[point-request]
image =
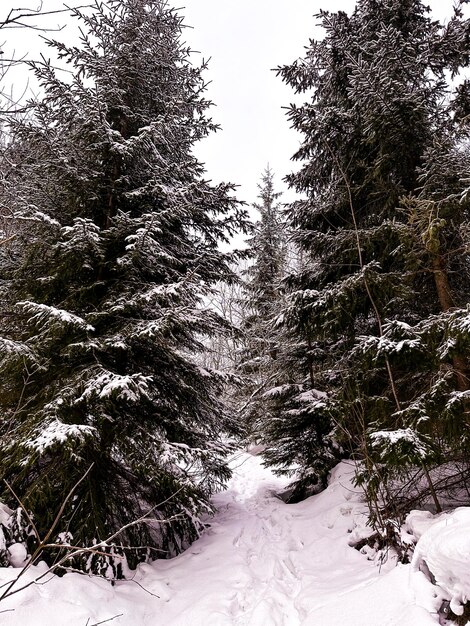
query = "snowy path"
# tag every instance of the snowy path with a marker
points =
(262, 562)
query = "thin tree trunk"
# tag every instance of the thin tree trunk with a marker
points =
(446, 301)
(437, 504)
(310, 363)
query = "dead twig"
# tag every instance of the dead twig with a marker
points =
(110, 619)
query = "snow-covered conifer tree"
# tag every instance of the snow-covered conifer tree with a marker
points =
(377, 88)
(261, 300)
(105, 303)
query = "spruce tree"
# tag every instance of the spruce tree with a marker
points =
(278, 399)
(377, 105)
(105, 304)
(261, 300)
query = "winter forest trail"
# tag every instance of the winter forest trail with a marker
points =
(262, 562)
(267, 562)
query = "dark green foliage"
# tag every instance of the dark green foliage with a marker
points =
(268, 248)
(261, 303)
(382, 234)
(117, 245)
(314, 451)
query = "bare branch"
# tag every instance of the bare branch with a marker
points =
(64, 503)
(76, 550)
(25, 510)
(16, 16)
(104, 621)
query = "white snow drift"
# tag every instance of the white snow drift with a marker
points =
(262, 562)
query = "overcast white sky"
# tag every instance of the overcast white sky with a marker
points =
(245, 40)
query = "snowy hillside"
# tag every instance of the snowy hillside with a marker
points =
(262, 562)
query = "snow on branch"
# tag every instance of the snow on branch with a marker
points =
(400, 443)
(14, 348)
(43, 315)
(131, 388)
(56, 432)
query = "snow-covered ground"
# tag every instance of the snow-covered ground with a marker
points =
(262, 562)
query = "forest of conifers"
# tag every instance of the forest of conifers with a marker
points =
(136, 353)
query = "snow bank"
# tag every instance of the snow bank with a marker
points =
(444, 549)
(262, 562)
